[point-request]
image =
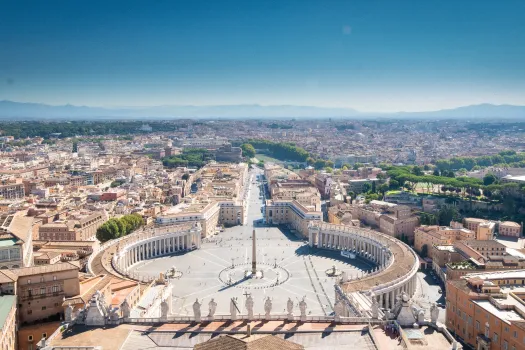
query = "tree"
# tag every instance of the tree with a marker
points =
(489, 179)
(446, 214)
(329, 170)
(248, 150)
(367, 187)
(310, 161)
(319, 164)
(357, 166)
(394, 184)
(426, 167)
(436, 172)
(383, 188)
(75, 147)
(345, 167)
(329, 164)
(373, 189)
(417, 171)
(185, 176)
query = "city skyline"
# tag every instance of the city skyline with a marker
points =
(372, 57)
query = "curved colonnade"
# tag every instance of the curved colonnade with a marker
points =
(153, 244)
(142, 245)
(397, 262)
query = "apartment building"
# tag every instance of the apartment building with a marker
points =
(78, 227)
(487, 310)
(16, 236)
(299, 190)
(440, 235)
(509, 229)
(8, 322)
(484, 229)
(398, 222)
(291, 213)
(42, 289)
(12, 191)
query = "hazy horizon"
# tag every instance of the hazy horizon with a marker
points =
(374, 56)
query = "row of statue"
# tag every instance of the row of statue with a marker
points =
(234, 309)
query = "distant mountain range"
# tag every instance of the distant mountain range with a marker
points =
(10, 110)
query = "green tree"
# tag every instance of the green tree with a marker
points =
(489, 179)
(367, 187)
(446, 214)
(248, 150)
(416, 170)
(75, 147)
(329, 170)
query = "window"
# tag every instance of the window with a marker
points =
(29, 338)
(43, 308)
(54, 278)
(506, 329)
(495, 338)
(44, 335)
(515, 334)
(29, 281)
(477, 325)
(42, 291)
(505, 345)
(29, 312)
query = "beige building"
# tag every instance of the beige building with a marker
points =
(8, 322)
(218, 200)
(510, 229)
(399, 222)
(484, 229)
(42, 289)
(16, 236)
(78, 227)
(440, 235)
(291, 213)
(487, 310)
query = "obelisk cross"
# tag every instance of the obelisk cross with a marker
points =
(254, 256)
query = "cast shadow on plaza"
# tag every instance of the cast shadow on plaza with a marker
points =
(234, 284)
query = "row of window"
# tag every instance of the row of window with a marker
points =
(41, 279)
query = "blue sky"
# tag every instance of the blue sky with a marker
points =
(370, 55)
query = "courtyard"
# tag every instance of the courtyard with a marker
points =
(287, 268)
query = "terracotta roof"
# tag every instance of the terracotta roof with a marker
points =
(266, 342)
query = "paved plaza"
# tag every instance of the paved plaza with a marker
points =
(288, 268)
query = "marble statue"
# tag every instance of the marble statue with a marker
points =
(339, 309)
(434, 313)
(126, 310)
(375, 307)
(344, 277)
(69, 313)
(267, 307)
(421, 316)
(388, 314)
(302, 307)
(164, 308)
(233, 309)
(289, 307)
(212, 306)
(113, 314)
(197, 310)
(249, 307)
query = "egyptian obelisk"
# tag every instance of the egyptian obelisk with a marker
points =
(254, 256)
